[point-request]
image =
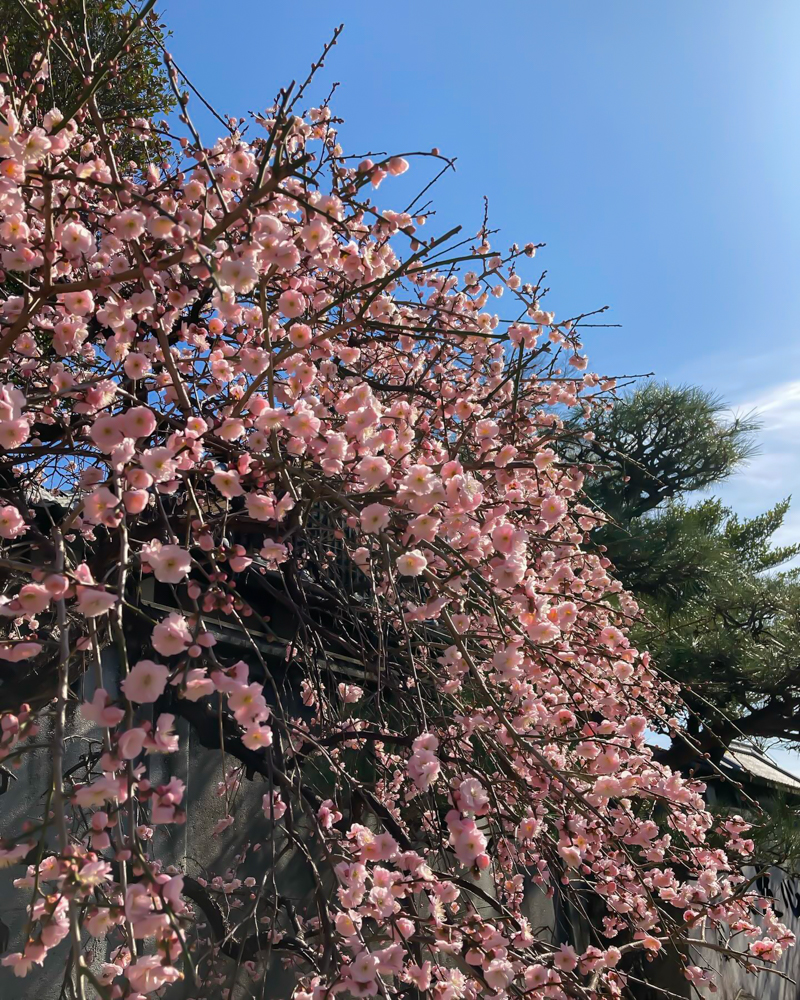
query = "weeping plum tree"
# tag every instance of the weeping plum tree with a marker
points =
(231, 377)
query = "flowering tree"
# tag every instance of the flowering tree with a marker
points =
(244, 382)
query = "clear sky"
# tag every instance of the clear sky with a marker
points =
(653, 145)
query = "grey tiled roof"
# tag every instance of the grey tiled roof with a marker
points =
(758, 767)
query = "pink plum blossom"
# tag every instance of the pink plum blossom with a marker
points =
(411, 563)
(145, 682)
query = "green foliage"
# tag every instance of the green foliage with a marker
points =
(86, 32)
(662, 442)
(716, 621)
(721, 613)
(777, 835)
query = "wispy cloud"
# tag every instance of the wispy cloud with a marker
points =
(778, 407)
(773, 473)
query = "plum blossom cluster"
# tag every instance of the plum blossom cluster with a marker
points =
(250, 389)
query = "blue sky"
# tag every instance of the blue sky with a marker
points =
(653, 146)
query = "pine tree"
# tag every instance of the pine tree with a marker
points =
(720, 610)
